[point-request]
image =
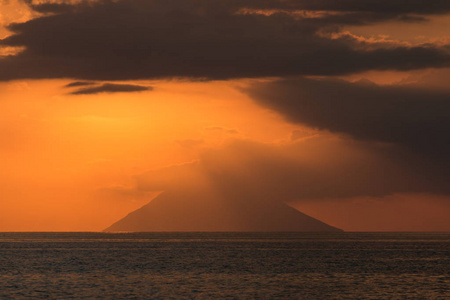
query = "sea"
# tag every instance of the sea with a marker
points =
(201, 265)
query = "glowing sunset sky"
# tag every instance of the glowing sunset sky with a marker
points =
(339, 108)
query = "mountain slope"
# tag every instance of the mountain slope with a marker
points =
(205, 211)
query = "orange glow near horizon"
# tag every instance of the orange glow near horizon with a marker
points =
(68, 161)
(64, 156)
(400, 212)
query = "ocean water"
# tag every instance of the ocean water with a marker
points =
(225, 265)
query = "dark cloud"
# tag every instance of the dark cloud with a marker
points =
(79, 83)
(322, 167)
(413, 117)
(134, 39)
(378, 6)
(52, 7)
(435, 79)
(111, 88)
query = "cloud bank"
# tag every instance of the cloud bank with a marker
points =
(135, 39)
(409, 116)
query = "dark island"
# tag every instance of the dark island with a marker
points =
(207, 211)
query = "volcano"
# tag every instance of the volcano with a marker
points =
(207, 211)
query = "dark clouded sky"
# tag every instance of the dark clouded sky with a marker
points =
(310, 101)
(135, 39)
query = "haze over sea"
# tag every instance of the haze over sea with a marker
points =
(232, 265)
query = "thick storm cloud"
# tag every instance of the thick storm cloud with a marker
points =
(135, 39)
(413, 117)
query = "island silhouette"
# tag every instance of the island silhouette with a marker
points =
(200, 210)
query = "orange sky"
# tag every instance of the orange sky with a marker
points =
(69, 162)
(60, 151)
